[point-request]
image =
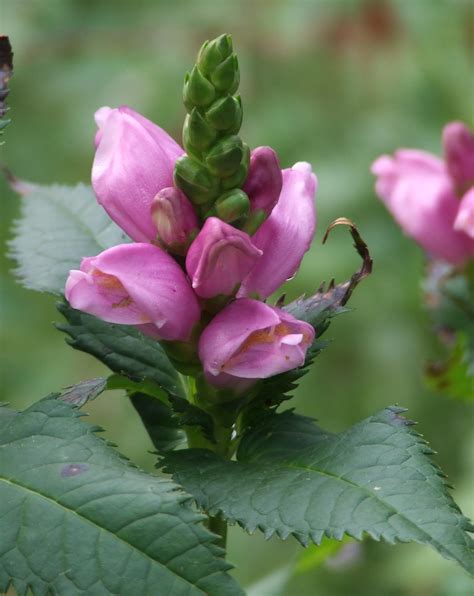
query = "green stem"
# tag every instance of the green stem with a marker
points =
(219, 527)
(224, 447)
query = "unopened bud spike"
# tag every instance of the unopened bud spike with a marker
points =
(217, 160)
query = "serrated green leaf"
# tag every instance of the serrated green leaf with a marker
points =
(159, 421)
(131, 354)
(58, 226)
(291, 477)
(122, 348)
(188, 414)
(77, 518)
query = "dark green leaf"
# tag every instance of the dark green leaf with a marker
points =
(140, 362)
(190, 415)
(77, 518)
(58, 226)
(122, 348)
(159, 421)
(291, 477)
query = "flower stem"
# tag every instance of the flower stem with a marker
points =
(223, 446)
(218, 526)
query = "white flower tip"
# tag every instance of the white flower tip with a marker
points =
(101, 116)
(303, 166)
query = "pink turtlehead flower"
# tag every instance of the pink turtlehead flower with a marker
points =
(136, 284)
(219, 259)
(134, 160)
(264, 180)
(428, 197)
(286, 235)
(175, 219)
(252, 340)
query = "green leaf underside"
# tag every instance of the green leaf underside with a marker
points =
(77, 518)
(122, 348)
(291, 477)
(58, 226)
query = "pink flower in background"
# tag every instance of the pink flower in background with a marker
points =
(429, 197)
(252, 340)
(134, 160)
(135, 284)
(286, 235)
(219, 259)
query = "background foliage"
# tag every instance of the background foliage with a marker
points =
(334, 83)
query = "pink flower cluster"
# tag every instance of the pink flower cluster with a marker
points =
(164, 280)
(433, 199)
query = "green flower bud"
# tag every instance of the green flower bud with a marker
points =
(226, 76)
(233, 130)
(225, 157)
(217, 161)
(236, 180)
(195, 181)
(192, 151)
(231, 206)
(198, 91)
(254, 221)
(225, 113)
(214, 52)
(197, 131)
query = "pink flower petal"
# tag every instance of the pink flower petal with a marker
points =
(251, 340)
(286, 235)
(264, 180)
(136, 284)
(219, 258)
(133, 162)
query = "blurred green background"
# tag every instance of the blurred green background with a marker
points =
(335, 83)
